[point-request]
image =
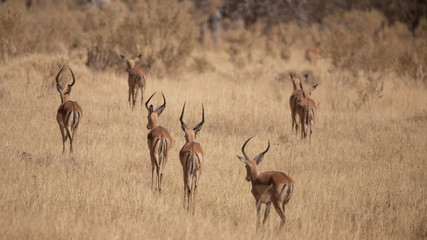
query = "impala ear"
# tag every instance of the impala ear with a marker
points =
(260, 156)
(305, 76)
(69, 89)
(313, 87)
(242, 159)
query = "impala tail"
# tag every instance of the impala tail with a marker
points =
(162, 150)
(287, 190)
(76, 119)
(193, 163)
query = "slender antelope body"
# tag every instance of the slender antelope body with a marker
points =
(159, 142)
(267, 187)
(69, 112)
(306, 108)
(297, 94)
(311, 55)
(191, 158)
(137, 79)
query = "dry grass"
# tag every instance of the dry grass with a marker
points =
(361, 178)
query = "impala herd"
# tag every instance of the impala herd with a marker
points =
(271, 187)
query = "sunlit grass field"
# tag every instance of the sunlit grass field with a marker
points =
(362, 177)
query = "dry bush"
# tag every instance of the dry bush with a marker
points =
(154, 28)
(358, 40)
(201, 65)
(13, 40)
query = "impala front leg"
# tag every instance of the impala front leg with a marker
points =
(64, 138)
(267, 212)
(258, 211)
(152, 171)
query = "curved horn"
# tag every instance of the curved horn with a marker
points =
(243, 148)
(146, 103)
(57, 75)
(199, 126)
(303, 93)
(260, 156)
(74, 79)
(183, 125)
(160, 109)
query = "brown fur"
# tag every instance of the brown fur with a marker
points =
(69, 113)
(311, 55)
(159, 142)
(297, 94)
(268, 187)
(191, 157)
(137, 79)
(306, 108)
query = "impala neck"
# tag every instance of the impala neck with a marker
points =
(130, 66)
(252, 173)
(65, 97)
(189, 136)
(154, 121)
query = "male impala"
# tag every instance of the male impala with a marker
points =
(267, 187)
(137, 79)
(69, 112)
(306, 108)
(191, 157)
(159, 142)
(297, 93)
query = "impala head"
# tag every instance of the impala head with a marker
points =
(64, 92)
(296, 81)
(306, 93)
(153, 115)
(130, 62)
(190, 134)
(251, 170)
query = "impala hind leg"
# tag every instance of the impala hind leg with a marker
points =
(70, 136)
(64, 138)
(267, 212)
(185, 188)
(153, 166)
(129, 97)
(278, 206)
(135, 96)
(258, 211)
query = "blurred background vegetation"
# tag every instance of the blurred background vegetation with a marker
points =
(369, 36)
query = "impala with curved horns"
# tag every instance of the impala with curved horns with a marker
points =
(159, 142)
(137, 79)
(69, 112)
(306, 108)
(191, 158)
(298, 93)
(267, 187)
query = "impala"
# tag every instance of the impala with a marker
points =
(137, 79)
(297, 93)
(307, 113)
(311, 55)
(191, 157)
(267, 187)
(69, 112)
(159, 142)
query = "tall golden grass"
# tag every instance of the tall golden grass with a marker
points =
(362, 177)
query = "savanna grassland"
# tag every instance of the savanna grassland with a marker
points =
(362, 176)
